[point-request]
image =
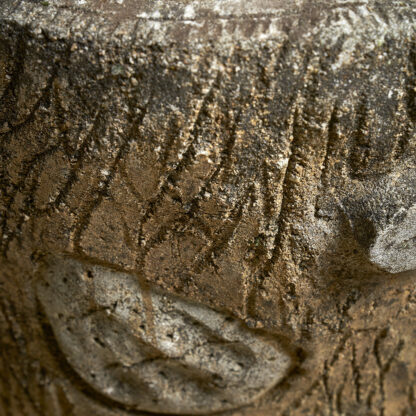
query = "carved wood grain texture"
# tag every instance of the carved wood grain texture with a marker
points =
(233, 175)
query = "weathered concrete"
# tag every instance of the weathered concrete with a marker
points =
(207, 207)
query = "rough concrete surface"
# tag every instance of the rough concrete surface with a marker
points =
(207, 207)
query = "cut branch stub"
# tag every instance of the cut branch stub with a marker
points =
(154, 351)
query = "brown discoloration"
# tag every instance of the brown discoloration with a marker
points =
(149, 313)
(255, 157)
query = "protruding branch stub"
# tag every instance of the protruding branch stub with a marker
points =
(383, 221)
(394, 248)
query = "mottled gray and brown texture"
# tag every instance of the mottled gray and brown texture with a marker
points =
(207, 206)
(175, 357)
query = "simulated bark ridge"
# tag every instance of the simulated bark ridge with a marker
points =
(207, 207)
